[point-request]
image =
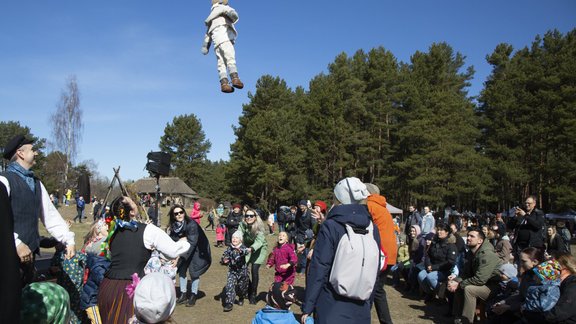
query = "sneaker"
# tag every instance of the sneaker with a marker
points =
(227, 307)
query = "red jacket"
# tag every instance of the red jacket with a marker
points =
(383, 219)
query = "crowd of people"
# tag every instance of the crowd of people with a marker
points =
(517, 271)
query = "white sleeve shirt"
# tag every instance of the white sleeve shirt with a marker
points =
(155, 238)
(51, 218)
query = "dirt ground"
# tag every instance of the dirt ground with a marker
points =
(207, 309)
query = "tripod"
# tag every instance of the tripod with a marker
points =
(124, 191)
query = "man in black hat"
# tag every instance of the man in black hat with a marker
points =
(30, 201)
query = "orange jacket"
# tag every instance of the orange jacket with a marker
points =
(383, 219)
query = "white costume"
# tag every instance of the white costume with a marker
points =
(222, 33)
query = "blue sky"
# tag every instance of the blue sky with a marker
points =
(138, 62)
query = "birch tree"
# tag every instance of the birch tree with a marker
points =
(67, 123)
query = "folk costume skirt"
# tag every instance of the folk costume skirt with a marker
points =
(113, 301)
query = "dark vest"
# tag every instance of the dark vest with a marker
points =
(27, 209)
(128, 254)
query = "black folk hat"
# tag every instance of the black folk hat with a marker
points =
(14, 144)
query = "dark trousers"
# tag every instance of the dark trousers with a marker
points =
(255, 268)
(79, 215)
(380, 301)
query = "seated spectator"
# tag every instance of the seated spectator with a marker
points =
(479, 278)
(508, 285)
(503, 246)
(554, 242)
(564, 310)
(543, 296)
(402, 260)
(508, 310)
(416, 245)
(438, 262)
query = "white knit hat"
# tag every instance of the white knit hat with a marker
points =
(351, 191)
(154, 298)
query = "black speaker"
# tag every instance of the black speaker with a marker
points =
(158, 163)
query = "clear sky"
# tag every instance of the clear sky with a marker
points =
(138, 62)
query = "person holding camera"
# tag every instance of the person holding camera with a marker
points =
(530, 227)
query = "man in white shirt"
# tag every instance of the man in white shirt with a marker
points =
(30, 201)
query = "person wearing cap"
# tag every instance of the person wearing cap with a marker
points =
(30, 202)
(221, 32)
(154, 299)
(279, 298)
(383, 220)
(321, 299)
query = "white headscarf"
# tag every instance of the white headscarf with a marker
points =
(351, 191)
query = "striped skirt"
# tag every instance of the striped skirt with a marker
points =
(114, 303)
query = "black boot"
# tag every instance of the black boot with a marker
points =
(227, 307)
(181, 299)
(240, 301)
(252, 298)
(191, 300)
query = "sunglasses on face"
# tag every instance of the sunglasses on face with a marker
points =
(179, 212)
(249, 216)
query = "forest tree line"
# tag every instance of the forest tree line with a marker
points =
(409, 127)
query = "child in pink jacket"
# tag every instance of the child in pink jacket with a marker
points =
(284, 260)
(220, 232)
(196, 214)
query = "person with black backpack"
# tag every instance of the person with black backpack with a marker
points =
(326, 291)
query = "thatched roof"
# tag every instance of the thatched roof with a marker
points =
(168, 186)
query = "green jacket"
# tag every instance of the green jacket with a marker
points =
(481, 267)
(257, 242)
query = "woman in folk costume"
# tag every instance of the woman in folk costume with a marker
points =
(129, 245)
(221, 32)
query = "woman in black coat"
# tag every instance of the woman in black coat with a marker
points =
(554, 242)
(198, 258)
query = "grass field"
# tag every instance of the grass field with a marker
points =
(209, 310)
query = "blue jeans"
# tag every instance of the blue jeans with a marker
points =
(184, 282)
(429, 280)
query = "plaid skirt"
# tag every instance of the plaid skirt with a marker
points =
(113, 301)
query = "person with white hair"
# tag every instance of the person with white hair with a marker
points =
(321, 299)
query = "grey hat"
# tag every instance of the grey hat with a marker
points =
(154, 298)
(350, 191)
(509, 270)
(372, 188)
